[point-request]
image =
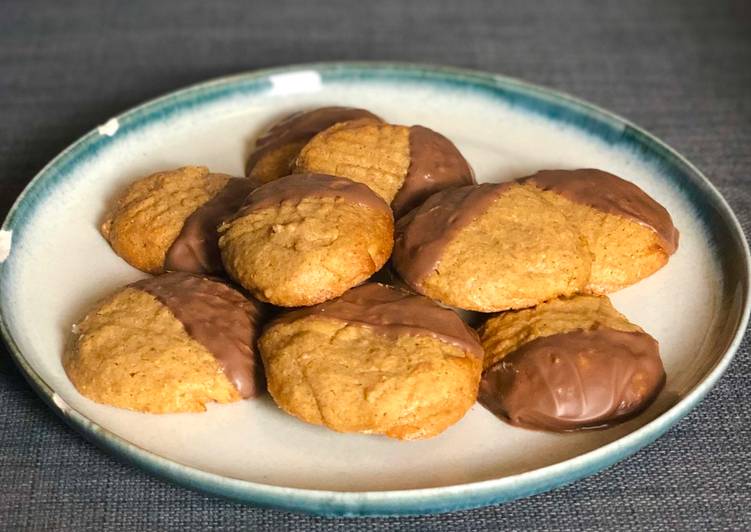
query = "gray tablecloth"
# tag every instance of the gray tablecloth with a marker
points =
(680, 69)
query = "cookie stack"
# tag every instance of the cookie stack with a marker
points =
(268, 283)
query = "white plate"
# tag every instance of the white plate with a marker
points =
(59, 265)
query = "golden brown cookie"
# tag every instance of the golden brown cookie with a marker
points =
(368, 152)
(490, 247)
(278, 147)
(168, 220)
(377, 361)
(568, 364)
(507, 331)
(305, 239)
(171, 343)
(403, 165)
(629, 234)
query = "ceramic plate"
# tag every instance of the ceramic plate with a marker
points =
(57, 265)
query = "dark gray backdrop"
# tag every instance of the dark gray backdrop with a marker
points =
(680, 69)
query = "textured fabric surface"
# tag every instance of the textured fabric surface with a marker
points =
(680, 69)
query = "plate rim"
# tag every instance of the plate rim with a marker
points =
(408, 501)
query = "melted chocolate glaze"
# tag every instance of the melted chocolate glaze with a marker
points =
(609, 193)
(575, 380)
(196, 248)
(296, 187)
(435, 164)
(422, 235)
(302, 126)
(394, 312)
(219, 318)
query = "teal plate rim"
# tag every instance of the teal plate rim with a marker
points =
(724, 231)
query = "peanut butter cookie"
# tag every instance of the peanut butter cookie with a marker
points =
(490, 247)
(171, 343)
(403, 165)
(629, 234)
(168, 220)
(376, 361)
(278, 147)
(304, 239)
(568, 364)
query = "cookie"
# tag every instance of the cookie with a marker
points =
(170, 343)
(304, 239)
(277, 148)
(403, 165)
(168, 220)
(490, 247)
(629, 234)
(568, 364)
(376, 361)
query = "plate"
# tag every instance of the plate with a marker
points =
(57, 265)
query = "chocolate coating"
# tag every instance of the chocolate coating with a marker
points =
(297, 187)
(302, 126)
(196, 248)
(394, 312)
(575, 380)
(435, 164)
(424, 232)
(609, 193)
(219, 318)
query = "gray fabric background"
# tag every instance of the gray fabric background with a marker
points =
(680, 69)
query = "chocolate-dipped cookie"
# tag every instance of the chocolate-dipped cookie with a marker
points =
(304, 239)
(490, 247)
(403, 165)
(170, 343)
(376, 361)
(277, 148)
(568, 364)
(167, 221)
(629, 234)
